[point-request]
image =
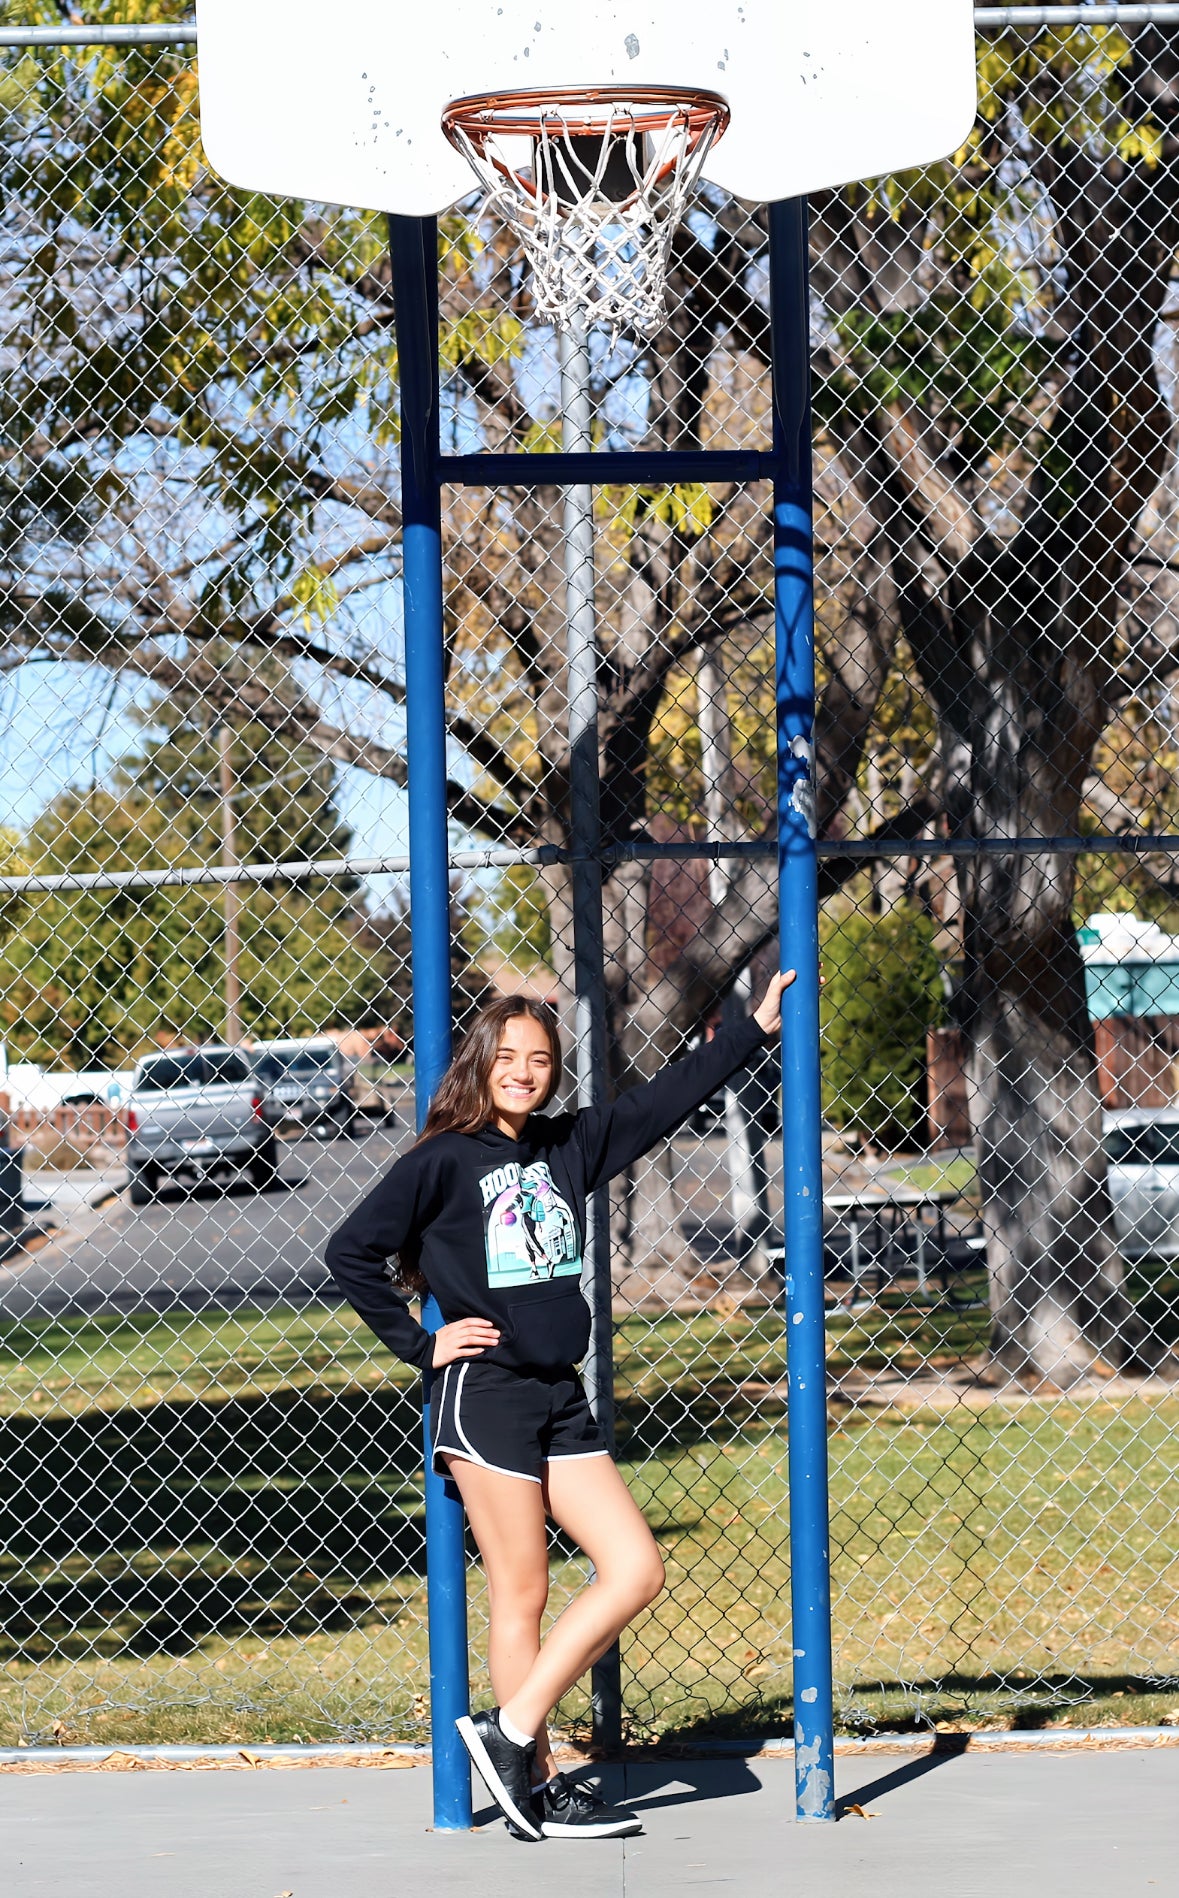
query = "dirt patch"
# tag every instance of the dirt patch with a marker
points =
(244, 1760)
(963, 1384)
(247, 1759)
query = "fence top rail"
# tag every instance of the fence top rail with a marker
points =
(508, 856)
(182, 876)
(182, 35)
(1017, 19)
(1030, 19)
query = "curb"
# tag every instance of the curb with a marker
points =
(33, 1236)
(1070, 1740)
(1043, 1739)
(330, 1752)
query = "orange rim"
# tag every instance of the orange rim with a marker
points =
(530, 114)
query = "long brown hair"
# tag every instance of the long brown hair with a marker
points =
(462, 1104)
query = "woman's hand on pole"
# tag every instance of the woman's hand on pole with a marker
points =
(466, 1338)
(768, 1013)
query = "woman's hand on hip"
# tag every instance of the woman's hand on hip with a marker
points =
(466, 1338)
(768, 1013)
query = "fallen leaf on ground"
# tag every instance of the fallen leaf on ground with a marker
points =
(860, 1812)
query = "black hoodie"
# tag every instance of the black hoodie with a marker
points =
(498, 1225)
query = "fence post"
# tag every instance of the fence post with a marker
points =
(413, 245)
(230, 897)
(588, 956)
(810, 1570)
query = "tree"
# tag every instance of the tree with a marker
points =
(189, 365)
(991, 432)
(174, 465)
(1015, 613)
(883, 991)
(101, 976)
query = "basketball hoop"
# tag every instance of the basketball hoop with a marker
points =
(593, 181)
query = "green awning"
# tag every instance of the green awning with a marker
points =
(1132, 988)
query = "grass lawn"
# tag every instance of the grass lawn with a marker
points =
(931, 1176)
(72, 1366)
(212, 1531)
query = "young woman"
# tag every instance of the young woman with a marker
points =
(487, 1211)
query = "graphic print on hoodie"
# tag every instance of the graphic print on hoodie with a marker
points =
(530, 1232)
(494, 1225)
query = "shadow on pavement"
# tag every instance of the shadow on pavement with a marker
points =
(948, 1746)
(637, 1784)
(686, 1782)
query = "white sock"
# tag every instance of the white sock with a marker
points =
(513, 1733)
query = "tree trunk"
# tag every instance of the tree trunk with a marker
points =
(749, 1204)
(658, 1265)
(1016, 645)
(1056, 1281)
(1017, 740)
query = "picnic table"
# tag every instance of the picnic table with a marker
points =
(890, 1232)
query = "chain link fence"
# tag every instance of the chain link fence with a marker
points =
(210, 1514)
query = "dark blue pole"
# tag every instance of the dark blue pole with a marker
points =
(413, 246)
(810, 1571)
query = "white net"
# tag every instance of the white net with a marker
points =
(595, 205)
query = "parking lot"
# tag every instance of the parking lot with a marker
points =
(209, 1248)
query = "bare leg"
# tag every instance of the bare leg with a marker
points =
(507, 1518)
(589, 1500)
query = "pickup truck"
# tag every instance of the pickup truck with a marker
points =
(196, 1114)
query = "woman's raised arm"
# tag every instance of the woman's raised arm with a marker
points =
(614, 1137)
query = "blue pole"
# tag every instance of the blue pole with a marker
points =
(413, 244)
(810, 1571)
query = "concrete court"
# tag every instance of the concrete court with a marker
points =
(1023, 1825)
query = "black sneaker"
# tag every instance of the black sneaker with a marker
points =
(570, 1811)
(536, 1808)
(504, 1767)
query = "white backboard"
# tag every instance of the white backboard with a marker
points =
(342, 102)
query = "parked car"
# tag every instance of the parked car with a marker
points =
(194, 1114)
(310, 1082)
(1142, 1152)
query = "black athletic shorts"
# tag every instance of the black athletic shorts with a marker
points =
(509, 1420)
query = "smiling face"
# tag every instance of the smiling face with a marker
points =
(521, 1073)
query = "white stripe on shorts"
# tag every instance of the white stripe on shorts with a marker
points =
(469, 1454)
